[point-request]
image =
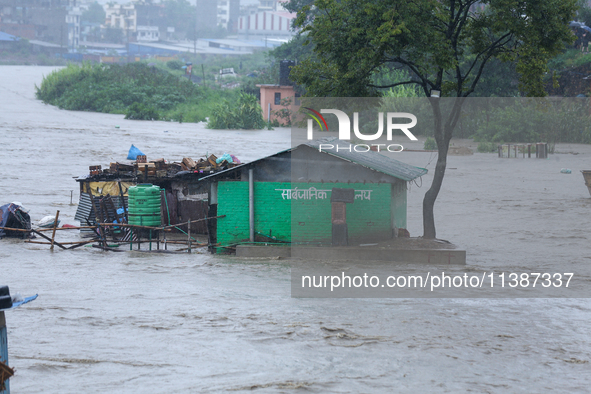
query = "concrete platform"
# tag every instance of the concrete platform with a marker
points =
(357, 253)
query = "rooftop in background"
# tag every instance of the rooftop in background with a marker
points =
(8, 37)
(244, 44)
(101, 45)
(45, 44)
(181, 47)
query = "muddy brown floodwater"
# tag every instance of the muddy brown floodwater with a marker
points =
(134, 323)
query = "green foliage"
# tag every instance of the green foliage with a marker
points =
(174, 64)
(487, 147)
(139, 111)
(387, 76)
(245, 114)
(406, 34)
(105, 88)
(430, 144)
(284, 114)
(134, 89)
(531, 121)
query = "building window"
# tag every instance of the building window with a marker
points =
(278, 98)
(297, 99)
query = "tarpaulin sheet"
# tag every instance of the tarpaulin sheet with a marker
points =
(19, 303)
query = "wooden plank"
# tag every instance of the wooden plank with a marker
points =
(193, 221)
(189, 163)
(49, 239)
(62, 243)
(18, 229)
(57, 215)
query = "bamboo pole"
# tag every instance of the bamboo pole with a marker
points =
(193, 221)
(104, 225)
(66, 228)
(189, 235)
(16, 229)
(62, 243)
(57, 215)
(49, 239)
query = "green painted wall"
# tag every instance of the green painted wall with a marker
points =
(308, 219)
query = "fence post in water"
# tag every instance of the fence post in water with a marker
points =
(500, 149)
(4, 348)
(57, 215)
(189, 235)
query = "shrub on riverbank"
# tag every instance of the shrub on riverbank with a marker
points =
(137, 90)
(246, 115)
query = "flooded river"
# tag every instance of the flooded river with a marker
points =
(135, 323)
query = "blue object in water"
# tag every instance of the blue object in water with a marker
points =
(566, 171)
(226, 157)
(4, 336)
(133, 153)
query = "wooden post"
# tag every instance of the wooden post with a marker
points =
(189, 235)
(123, 201)
(57, 215)
(4, 347)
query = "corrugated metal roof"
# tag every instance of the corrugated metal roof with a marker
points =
(85, 212)
(84, 209)
(372, 160)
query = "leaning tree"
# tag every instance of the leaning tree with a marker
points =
(444, 45)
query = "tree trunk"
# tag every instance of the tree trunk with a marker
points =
(442, 137)
(433, 192)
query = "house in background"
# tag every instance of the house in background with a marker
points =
(271, 95)
(269, 19)
(52, 21)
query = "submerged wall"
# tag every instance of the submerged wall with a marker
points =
(301, 212)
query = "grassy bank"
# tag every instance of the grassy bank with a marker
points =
(136, 90)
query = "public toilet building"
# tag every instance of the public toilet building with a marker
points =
(300, 195)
